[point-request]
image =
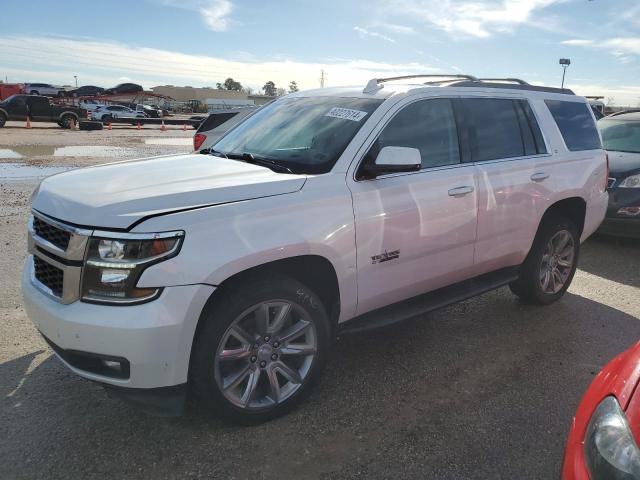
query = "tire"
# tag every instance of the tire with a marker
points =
(106, 119)
(551, 263)
(66, 121)
(271, 375)
(3, 120)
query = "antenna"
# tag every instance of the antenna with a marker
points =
(322, 78)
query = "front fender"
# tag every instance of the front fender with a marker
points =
(224, 240)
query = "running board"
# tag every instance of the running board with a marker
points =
(428, 302)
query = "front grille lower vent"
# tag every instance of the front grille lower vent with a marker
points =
(51, 234)
(48, 275)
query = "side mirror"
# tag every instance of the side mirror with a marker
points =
(393, 160)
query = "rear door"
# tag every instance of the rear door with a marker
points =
(509, 151)
(415, 232)
(39, 108)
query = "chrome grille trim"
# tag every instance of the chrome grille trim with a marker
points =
(46, 251)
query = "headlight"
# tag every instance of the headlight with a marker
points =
(632, 181)
(609, 448)
(115, 262)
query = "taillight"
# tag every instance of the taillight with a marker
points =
(606, 177)
(198, 140)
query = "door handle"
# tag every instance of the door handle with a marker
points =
(459, 191)
(540, 176)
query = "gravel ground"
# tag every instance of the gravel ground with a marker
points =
(483, 389)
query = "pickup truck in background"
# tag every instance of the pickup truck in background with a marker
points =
(38, 109)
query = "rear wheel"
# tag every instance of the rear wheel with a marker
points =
(67, 121)
(551, 264)
(262, 346)
(3, 120)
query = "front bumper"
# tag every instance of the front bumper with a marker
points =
(621, 225)
(155, 338)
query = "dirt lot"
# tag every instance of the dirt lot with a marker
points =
(483, 389)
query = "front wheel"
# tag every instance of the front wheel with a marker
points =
(261, 347)
(551, 264)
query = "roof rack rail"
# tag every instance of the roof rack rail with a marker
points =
(512, 86)
(508, 80)
(374, 84)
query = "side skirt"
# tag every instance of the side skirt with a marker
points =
(430, 301)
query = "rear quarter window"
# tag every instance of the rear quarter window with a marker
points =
(576, 124)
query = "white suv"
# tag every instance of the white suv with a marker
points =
(339, 208)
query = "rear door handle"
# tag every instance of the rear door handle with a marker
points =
(540, 176)
(459, 191)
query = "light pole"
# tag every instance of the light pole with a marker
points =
(76, 78)
(564, 62)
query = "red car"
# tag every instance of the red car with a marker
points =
(603, 441)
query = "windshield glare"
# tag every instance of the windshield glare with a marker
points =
(305, 134)
(620, 136)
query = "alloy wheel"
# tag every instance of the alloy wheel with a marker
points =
(557, 262)
(265, 355)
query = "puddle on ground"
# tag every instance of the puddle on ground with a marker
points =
(99, 151)
(21, 171)
(169, 141)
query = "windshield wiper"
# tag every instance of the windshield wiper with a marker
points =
(217, 154)
(263, 162)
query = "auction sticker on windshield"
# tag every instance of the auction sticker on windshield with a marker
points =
(346, 114)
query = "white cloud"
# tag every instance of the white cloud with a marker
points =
(624, 44)
(214, 13)
(474, 18)
(578, 42)
(395, 28)
(363, 32)
(55, 59)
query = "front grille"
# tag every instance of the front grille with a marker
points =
(51, 234)
(48, 275)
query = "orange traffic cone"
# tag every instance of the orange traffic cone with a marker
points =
(28, 125)
(73, 124)
(109, 126)
(139, 127)
(163, 128)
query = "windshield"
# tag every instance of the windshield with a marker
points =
(620, 136)
(304, 134)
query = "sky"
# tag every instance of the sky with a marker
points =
(202, 42)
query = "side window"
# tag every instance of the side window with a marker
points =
(576, 124)
(494, 128)
(429, 126)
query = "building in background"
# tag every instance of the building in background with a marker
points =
(212, 98)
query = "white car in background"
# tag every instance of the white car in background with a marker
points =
(107, 112)
(45, 89)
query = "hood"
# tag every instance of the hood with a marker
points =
(118, 194)
(623, 163)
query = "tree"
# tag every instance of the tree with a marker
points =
(270, 89)
(229, 84)
(293, 86)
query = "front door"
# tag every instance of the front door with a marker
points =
(415, 232)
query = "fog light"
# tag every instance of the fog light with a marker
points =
(629, 211)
